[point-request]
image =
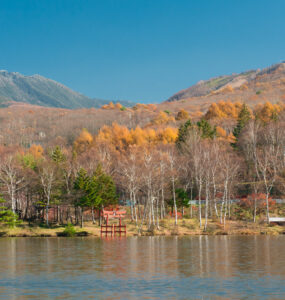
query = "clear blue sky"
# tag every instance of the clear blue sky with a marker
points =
(141, 50)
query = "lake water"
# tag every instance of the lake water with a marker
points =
(214, 267)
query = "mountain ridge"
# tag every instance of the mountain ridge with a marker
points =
(206, 87)
(39, 90)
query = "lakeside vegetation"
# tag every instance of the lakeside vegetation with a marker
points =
(185, 227)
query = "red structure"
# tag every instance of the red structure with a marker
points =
(179, 214)
(113, 229)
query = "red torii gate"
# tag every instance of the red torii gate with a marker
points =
(113, 229)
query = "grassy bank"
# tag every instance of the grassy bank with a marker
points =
(167, 228)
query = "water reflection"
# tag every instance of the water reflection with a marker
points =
(202, 267)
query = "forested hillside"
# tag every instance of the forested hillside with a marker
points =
(155, 159)
(252, 87)
(158, 157)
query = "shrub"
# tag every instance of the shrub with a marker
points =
(7, 217)
(151, 229)
(186, 216)
(210, 229)
(174, 230)
(242, 213)
(69, 230)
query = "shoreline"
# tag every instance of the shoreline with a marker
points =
(185, 227)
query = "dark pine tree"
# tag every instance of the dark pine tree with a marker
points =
(243, 118)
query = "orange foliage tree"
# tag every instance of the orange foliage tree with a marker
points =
(84, 140)
(36, 150)
(182, 115)
(121, 137)
(163, 118)
(223, 110)
(268, 111)
(221, 133)
(109, 106)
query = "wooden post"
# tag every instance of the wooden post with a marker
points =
(120, 228)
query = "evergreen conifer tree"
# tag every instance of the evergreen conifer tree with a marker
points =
(206, 129)
(243, 118)
(57, 156)
(183, 132)
(7, 217)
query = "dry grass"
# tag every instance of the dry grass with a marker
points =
(167, 227)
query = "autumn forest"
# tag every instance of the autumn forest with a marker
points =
(224, 164)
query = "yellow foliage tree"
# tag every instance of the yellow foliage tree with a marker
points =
(36, 150)
(267, 111)
(162, 118)
(140, 106)
(231, 138)
(109, 106)
(223, 109)
(138, 136)
(168, 135)
(228, 89)
(221, 132)
(120, 137)
(182, 115)
(152, 107)
(118, 105)
(84, 140)
(150, 135)
(214, 112)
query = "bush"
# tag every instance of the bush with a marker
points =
(151, 229)
(194, 224)
(69, 231)
(7, 217)
(175, 231)
(243, 214)
(210, 229)
(186, 216)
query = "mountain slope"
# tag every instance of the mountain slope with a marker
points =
(38, 90)
(234, 81)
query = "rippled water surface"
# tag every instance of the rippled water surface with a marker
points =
(220, 267)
